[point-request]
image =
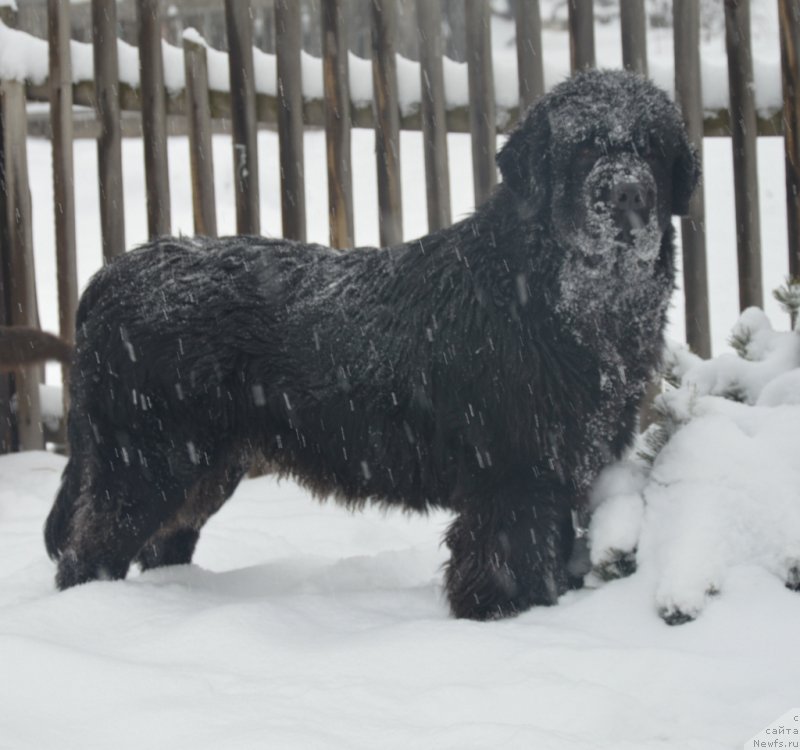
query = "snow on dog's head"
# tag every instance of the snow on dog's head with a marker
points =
(606, 159)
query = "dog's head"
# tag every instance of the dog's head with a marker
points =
(605, 159)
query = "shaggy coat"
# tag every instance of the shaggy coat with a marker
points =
(491, 368)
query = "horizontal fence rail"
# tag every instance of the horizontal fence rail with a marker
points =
(716, 121)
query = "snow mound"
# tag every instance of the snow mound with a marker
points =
(723, 490)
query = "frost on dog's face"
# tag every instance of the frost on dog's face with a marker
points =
(617, 146)
(604, 159)
(611, 208)
(601, 164)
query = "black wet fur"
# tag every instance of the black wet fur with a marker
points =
(491, 368)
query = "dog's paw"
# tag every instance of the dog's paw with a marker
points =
(500, 567)
(674, 613)
(492, 591)
(677, 606)
(675, 616)
(74, 570)
(616, 563)
(793, 577)
(616, 523)
(579, 564)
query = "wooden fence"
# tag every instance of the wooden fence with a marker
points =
(290, 110)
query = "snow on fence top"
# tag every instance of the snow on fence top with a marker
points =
(25, 58)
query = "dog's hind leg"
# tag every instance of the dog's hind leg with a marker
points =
(59, 520)
(120, 505)
(175, 540)
(74, 480)
(507, 555)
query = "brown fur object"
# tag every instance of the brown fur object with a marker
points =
(21, 346)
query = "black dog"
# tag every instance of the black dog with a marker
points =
(492, 368)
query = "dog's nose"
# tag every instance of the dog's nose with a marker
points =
(631, 196)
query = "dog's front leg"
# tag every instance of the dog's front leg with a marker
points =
(508, 554)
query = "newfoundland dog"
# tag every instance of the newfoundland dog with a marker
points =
(491, 368)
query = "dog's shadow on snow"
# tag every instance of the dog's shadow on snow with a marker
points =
(307, 575)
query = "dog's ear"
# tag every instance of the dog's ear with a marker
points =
(524, 159)
(685, 176)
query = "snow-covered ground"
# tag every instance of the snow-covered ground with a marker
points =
(302, 625)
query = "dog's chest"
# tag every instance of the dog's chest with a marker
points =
(591, 440)
(622, 337)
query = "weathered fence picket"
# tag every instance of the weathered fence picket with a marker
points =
(6, 385)
(789, 14)
(201, 156)
(530, 64)
(109, 142)
(18, 255)
(7, 426)
(243, 116)
(581, 34)
(60, 74)
(633, 29)
(745, 162)
(482, 119)
(688, 93)
(288, 46)
(337, 123)
(387, 121)
(432, 111)
(154, 118)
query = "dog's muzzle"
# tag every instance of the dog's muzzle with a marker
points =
(621, 212)
(632, 202)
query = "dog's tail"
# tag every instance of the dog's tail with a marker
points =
(59, 520)
(76, 474)
(59, 523)
(58, 526)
